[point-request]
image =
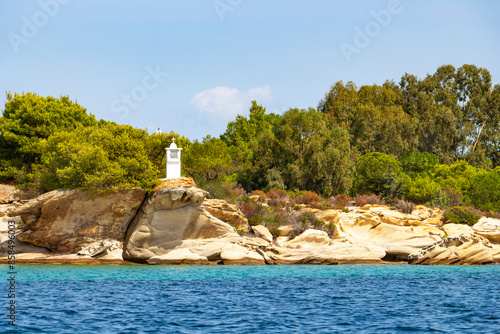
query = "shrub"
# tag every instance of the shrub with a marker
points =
(252, 210)
(261, 195)
(455, 198)
(340, 201)
(404, 206)
(420, 189)
(439, 200)
(306, 221)
(362, 200)
(309, 198)
(278, 198)
(461, 215)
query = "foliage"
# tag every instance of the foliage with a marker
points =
(416, 163)
(484, 190)
(461, 215)
(362, 200)
(97, 159)
(380, 174)
(456, 176)
(210, 159)
(404, 206)
(340, 201)
(28, 120)
(420, 189)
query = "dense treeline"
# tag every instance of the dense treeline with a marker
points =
(434, 140)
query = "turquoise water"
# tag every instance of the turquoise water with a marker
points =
(255, 299)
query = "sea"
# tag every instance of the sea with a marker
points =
(252, 299)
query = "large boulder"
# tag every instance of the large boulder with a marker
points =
(397, 240)
(227, 212)
(488, 228)
(167, 218)
(458, 249)
(65, 221)
(262, 232)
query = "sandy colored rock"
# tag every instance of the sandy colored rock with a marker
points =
(235, 254)
(20, 246)
(285, 230)
(179, 182)
(309, 239)
(376, 227)
(64, 221)
(262, 232)
(8, 194)
(228, 213)
(179, 256)
(97, 248)
(488, 228)
(457, 249)
(167, 218)
(336, 252)
(452, 229)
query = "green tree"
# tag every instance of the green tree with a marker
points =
(98, 159)
(28, 120)
(484, 190)
(380, 174)
(211, 159)
(310, 154)
(372, 115)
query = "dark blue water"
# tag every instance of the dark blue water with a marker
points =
(255, 299)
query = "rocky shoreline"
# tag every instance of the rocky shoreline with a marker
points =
(177, 225)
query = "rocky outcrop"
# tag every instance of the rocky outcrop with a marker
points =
(397, 234)
(166, 219)
(8, 194)
(262, 232)
(452, 229)
(458, 249)
(488, 228)
(65, 221)
(228, 213)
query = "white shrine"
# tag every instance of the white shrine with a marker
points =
(173, 161)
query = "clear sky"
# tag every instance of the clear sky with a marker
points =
(192, 66)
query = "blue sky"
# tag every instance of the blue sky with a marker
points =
(192, 66)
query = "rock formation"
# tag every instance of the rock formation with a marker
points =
(65, 221)
(177, 225)
(458, 249)
(488, 228)
(168, 217)
(228, 213)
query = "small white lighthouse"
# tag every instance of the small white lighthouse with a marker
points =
(173, 161)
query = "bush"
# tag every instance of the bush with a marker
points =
(420, 189)
(404, 206)
(306, 221)
(461, 215)
(340, 201)
(455, 198)
(362, 200)
(309, 198)
(261, 195)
